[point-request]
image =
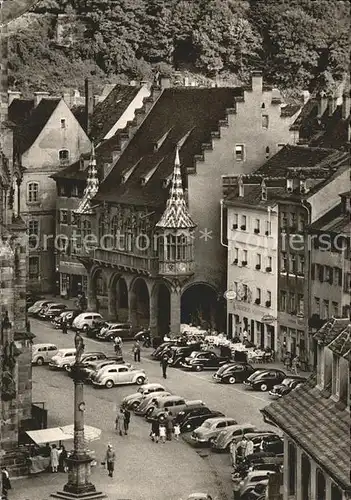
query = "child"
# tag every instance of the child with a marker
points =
(163, 433)
(176, 430)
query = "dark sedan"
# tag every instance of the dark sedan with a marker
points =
(160, 350)
(203, 360)
(178, 354)
(68, 316)
(231, 373)
(88, 357)
(288, 384)
(193, 420)
(265, 380)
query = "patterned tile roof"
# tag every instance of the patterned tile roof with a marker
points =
(341, 345)
(318, 426)
(92, 186)
(176, 214)
(331, 329)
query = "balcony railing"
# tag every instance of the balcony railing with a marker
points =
(175, 268)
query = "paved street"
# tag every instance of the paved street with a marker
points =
(144, 470)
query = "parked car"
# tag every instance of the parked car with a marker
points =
(210, 429)
(63, 359)
(231, 373)
(269, 443)
(149, 401)
(85, 320)
(35, 309)
(253, 478)
(159, 351)
(288, 384)
(42, 353)
(68, 316)
(224, 438)
(133, 400)
(203, 360)
(32, 298)
(88, 357)
(199, 496)
(117, 374)
(265, 380)
(195, 419)
(51, 310)
(124, 330)
(174, 404)
(90, 367)
(178, 354)
(258, 493)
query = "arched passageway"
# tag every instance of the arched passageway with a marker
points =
(139, 305)
(118, 299)
(163, 309)
(200, 306)
(99, 292)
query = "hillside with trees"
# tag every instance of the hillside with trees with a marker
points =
(298, 44)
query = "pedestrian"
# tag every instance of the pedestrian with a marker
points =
(288, 361)
(6, 483)
(295, 365)
(64, 325)
(164, 364)
(136, 351)
(233, 452)
(126, 420)
(155, 430)
(163, 433)
(241, 448)
(62, 459)
(169, 425)
(249, 447)
(176, 430)
(120, 422)
(54, 458)
(110, 460)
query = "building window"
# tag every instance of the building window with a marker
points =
(269, 262)
(257, 226)
(63, 123)
(33, 267)
(284, 262)
(301, 264)
(265, 121)
(284, 220)
(74, 218)
(245, 256)
(292, 303)
(258, 261)
(283, 300)
(63, 216)
(243, 222)
(269, 298)
(335, 307)
(268, 228)
(337, 276)
(258, 295)
(85, 228)
(236, 255)
(64, 156)
(62, 190)
(74, 191)
(301, 222)
(239, 152)
(33, 233)
(33, 192)
(317, 305)
(300, 308)
(325, 309)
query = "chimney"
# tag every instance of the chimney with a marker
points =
(322, 103)
(89, 104)
(14, 94)
(263, 191)
(66, 96)
(256, 81)
(331, 104)
(38, 96)
(345, 107)
(305, 96)
(165, 82)
(186, 81)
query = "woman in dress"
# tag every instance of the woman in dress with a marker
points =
(54, 458)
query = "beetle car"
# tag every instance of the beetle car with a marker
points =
(224, 438)
(288, 384)
(112, 375)
(231, 373)
(194, 418)
(210, 429)
(91, 366)
(265, 380)
(203, 360)
(133, 400)
(149, 401)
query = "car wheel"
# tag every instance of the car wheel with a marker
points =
(85, 328)
(140, 380)
(199, 368)
(40, 361)
(109, 384)
(231, 380)
(263, 387)
(149, 411)
(211, 440)
(68, 368)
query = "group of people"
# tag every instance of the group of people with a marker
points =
(239, 451)
(164, 430)
(292, 363)
(123, 421)
(58, 458)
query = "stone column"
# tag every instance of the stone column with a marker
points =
(298, 480)
(286, 469)
(133, 304)
(91, 295)
(154, 313)
(112, 303)
(175, 305)
(313, 479)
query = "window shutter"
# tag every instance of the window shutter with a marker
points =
(330, 275)
(321, 273)
(339, 275)
(312, 271)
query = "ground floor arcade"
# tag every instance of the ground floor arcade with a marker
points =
(158, 303)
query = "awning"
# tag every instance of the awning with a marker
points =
(90, 433)
(48, 435)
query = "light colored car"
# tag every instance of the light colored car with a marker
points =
(199, 496)
(37, 307)
(149, 401)
(63, 359)
(252, 478)
(210, 429)
(174, 404)
(224, 438)
(85, 320)
(42, 353)
(133, 400)
(51, 310)
(118, 374)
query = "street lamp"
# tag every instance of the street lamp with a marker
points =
(79, 485)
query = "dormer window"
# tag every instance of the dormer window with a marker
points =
(129, 172)
(64, 156)
(158, 144)
(303, 187)
(289, 185)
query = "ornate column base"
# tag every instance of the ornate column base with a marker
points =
(81, 496)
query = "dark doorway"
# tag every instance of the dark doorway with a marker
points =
(142, 303)
(163, 310)
(305, 477)
(230, 326)
(199, 307)
(122, 302)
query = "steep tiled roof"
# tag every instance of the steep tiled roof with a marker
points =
(319, 426)
(341, 345)
(108, 111)
(335, 220)
(27, 132)
(20, 109)
(80, 115)
(331, 329)
(181, 111)
(290, 110)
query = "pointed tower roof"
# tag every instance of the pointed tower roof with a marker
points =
(92, 186)
(176, 214)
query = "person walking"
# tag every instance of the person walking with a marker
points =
(64, 325)
(62, 459)
(155, 431)
(241, 448)
(169, 425)
(54, 458)
(295, 365)
(110, 460)
(163, 433)
(120, 422)
(176, 430)
(6, 483)
(126, 420)
(249, 447)
(233, 452)
(164, 364)
(136, 351)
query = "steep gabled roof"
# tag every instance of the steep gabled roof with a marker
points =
(330, 330)
(28, 130)
(180, 111)
(341, 345)
(335, 220)
(20, 109)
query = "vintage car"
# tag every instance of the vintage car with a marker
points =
(231, 373)
(133, 400)
(288, 384)
(42, 353)
(210, 429)
(265, 380)
(118, 374)
(203, 360)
